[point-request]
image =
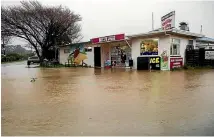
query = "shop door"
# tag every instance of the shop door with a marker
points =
(97, 57)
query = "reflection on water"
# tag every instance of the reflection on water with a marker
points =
(87, 101)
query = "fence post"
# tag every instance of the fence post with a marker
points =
(201, 56)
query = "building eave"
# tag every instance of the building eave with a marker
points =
(170, 31)
(73, 44)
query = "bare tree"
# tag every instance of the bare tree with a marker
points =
(5, 39)
(43, 27)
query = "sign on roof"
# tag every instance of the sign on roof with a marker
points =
(116, 37)
(168, 21)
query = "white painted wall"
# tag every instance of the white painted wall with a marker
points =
(135, 51)
(183, 43)
(63, 57)
(90, 56)
(105, 53)
(163, 44)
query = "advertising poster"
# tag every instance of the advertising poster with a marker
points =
(164, 60)
(149, 47)
(154, 63)
(77, 54)
(176, 63)
(209, 55)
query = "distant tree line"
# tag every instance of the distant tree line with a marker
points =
(14, 53)
(15, 57)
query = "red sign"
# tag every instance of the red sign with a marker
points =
(176, 62)
(108, 38)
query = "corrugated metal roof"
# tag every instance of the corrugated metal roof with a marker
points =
(205, 39)
(174, 30)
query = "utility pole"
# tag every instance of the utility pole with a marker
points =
(201, 30)
(152, 21)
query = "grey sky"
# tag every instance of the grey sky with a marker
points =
(106, 17)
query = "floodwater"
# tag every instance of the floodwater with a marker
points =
(87, 101)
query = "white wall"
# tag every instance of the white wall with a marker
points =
(105, 53)
(183, 43)
(63, 57)
(90, 56)
(135, 51)
(163, 44)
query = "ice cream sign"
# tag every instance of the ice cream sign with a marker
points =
(168, 21)
(110, 38)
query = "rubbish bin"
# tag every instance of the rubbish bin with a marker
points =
(130, 63)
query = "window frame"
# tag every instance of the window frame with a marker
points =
(192, 41)
(87, 49)
(178, 51)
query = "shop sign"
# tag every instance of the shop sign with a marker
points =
(154, 60)
(176, 62)
(108, 38)
(154, 63)
(168, 21)
(209, 54)
(164, 60)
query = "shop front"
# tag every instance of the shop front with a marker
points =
(111, 51)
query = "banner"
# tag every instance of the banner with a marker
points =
(164, 61)
(116, 37)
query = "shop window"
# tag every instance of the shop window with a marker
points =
(149, 47)
(66, 51)
(175, 47)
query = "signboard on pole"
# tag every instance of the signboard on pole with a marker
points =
(168, 21)
(209, 55)
(110, 38)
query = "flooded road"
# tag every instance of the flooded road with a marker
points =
(87, 101)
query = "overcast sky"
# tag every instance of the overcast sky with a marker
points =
(107, 17)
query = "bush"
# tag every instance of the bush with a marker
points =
(14, 57)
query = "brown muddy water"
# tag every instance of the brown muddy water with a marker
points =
(87, 101)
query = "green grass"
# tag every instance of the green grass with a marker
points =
(53, 66)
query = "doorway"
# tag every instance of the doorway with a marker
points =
(97, 57)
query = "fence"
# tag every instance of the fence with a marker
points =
(200, 57)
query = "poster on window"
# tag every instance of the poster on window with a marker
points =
(149, 47)
(164, 60)
(209, 54)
